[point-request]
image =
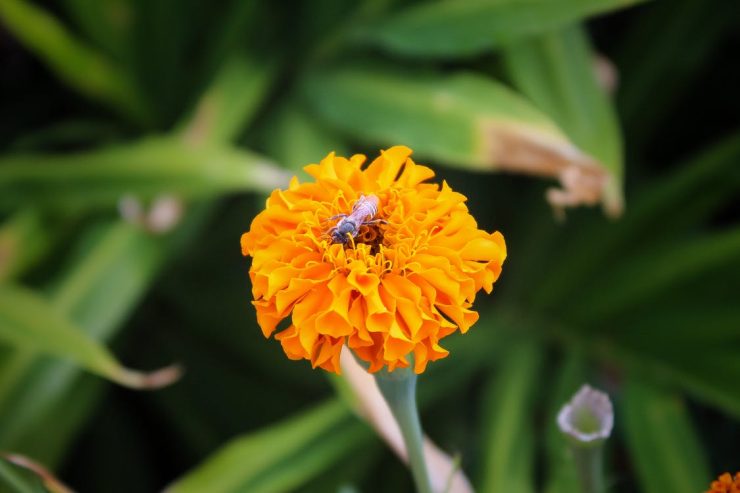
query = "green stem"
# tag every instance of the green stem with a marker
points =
(399, 389)
(588, 462)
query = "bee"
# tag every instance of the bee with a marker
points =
(349, 225)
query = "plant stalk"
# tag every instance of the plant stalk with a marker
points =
(588, 461)
(399, 390)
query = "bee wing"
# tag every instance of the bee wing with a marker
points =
(358, 203)
(332, 218)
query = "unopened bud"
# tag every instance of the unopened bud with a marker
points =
(588, 418)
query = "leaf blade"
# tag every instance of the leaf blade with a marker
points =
(77, 64)
(509, 458)
(467, 27)
(28, 321)
(229, 103)
(656, 270)
(562, 475)
(555, 71)
(666, 207)
(115, 264)
(464, 120)
(245, 462)
(662, 440)
(146, 168)
(440, 117)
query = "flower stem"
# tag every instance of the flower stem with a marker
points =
(399, 389)
(588, 461)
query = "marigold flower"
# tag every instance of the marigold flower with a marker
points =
(726, 484)
(406, 281)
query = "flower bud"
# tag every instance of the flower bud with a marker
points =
(588, 418)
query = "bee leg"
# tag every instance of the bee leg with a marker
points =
(376, 221)
(336, 217)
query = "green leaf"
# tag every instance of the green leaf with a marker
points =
(68, 134)
(280, 457)
(229, 103)
(556, 72)
(656, 270)
(294, 138)
(464, 120)
(27, 320)
(107, 22)
(48, 432)
(679, 201)
(233, 23)
(708, 372)
(146, 168)
(24, 239)
(75, 63)
(15, 480)
(664, 208)
(662, 441)
(653, 80)
(23, 474)
(676, 320)
(508, 462)
(43, 401)
(454, 28)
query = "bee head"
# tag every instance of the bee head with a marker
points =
(343, 231)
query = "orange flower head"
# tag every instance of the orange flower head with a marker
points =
(375, 258)
(726, 484)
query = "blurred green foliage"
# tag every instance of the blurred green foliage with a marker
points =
(216, 103)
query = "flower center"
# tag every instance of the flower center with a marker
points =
(370, 234)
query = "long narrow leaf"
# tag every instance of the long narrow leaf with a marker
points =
(44, 401)
(556, 72)
(24, 238)
(309, 140)
(447, 28)
(280, 457)
(677, 320)
(562, 476)
(29, 321)
(116, 264)
(13, 479)
(662, 208)
(147, 168)
(108, 23)
(453, 119)
(663, 444)
(654, 77)
(77, 64)
(509, 445)
(708, 373)
(464, 120)
(50, 482)
(229, 103)
(656, 270)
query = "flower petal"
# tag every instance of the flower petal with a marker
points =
(406, 280)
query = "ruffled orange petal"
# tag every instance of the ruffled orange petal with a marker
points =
(406, 280)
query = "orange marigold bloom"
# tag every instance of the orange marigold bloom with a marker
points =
(726, 484)
(407, 280)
